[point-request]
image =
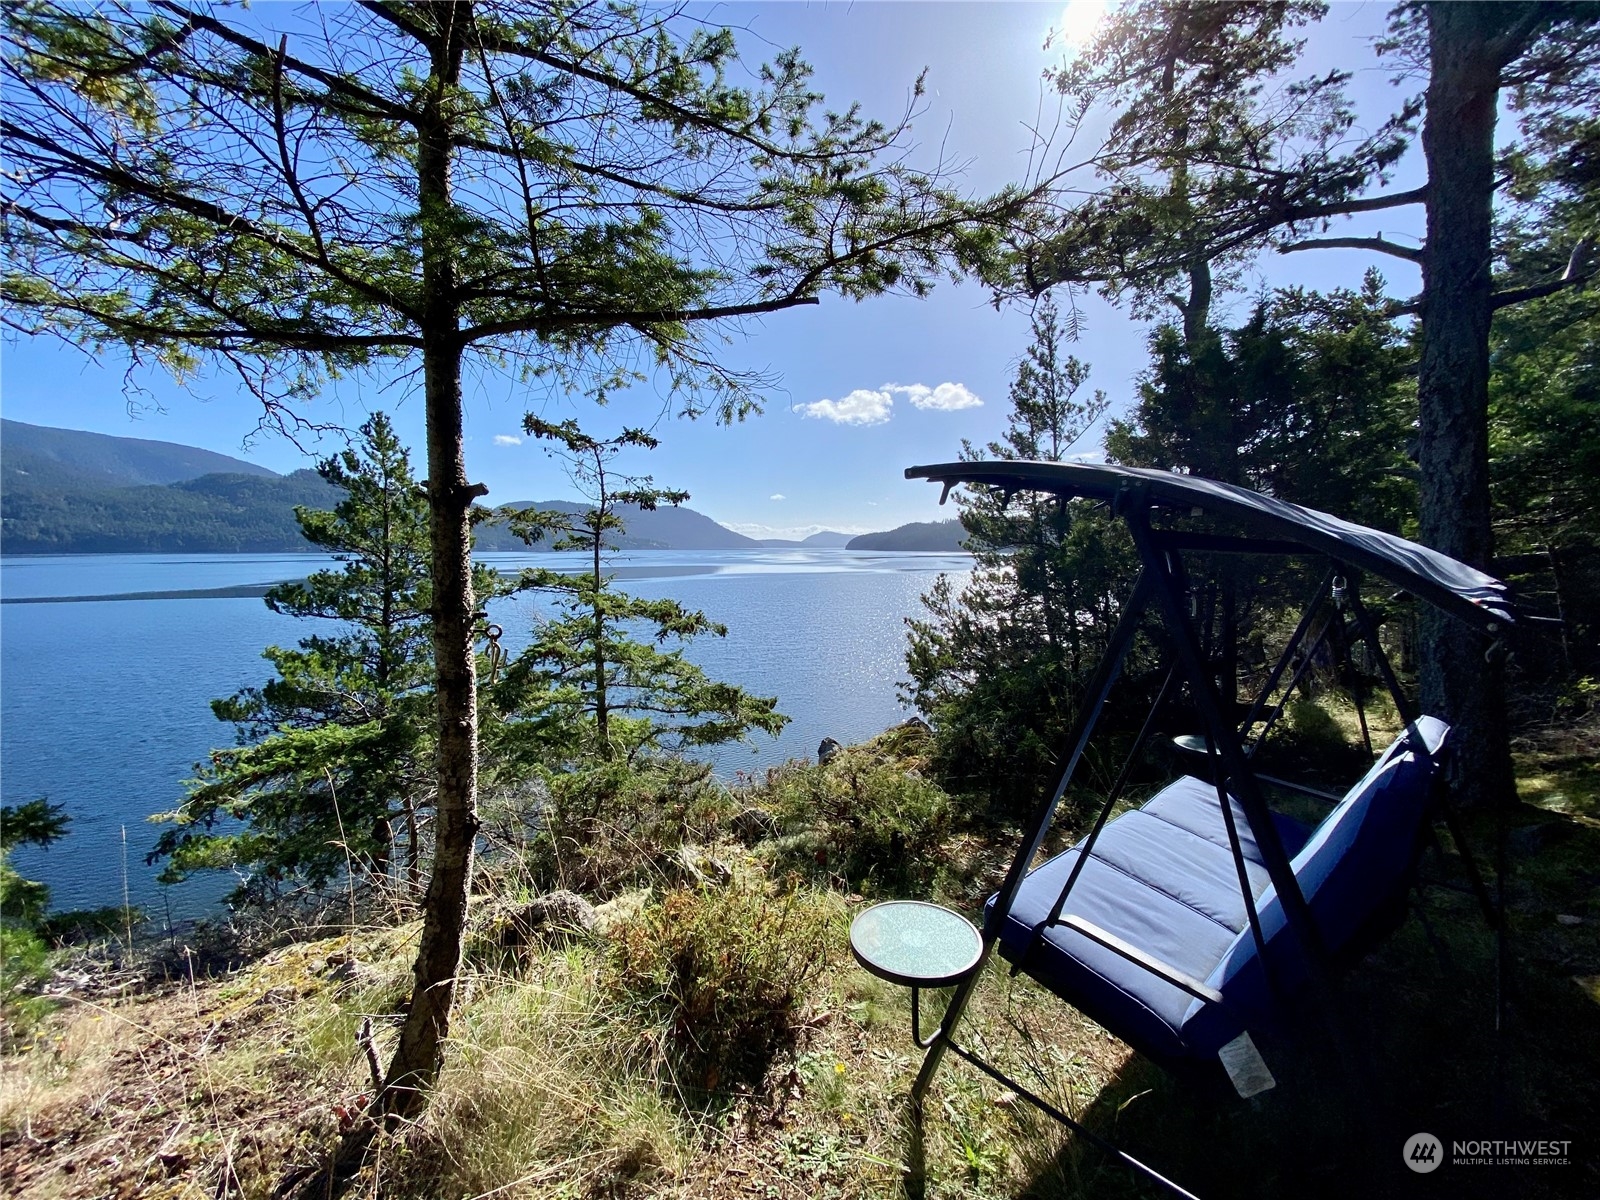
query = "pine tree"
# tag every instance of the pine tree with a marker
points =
(595, 685)
(997, 665)
(561, 188)
(335, 753)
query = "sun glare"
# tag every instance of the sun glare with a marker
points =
(1080, 19)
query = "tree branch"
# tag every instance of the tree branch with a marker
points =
(565, 320)
(1339, 208)
(1380, 244)
(338, 85)
(91, 170)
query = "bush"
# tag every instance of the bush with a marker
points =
(24, 968)
(881, 825)
(722, 975)
(607, 827)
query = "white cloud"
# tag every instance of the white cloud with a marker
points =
(869, 406)
(505, 439)
(861, 407)
(777, 496)
(947, 397)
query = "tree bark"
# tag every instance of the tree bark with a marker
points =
(418, 1055)
(1458, 685)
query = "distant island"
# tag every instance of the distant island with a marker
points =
(942, 536)
(65, 491)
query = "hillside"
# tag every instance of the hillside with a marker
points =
(825, 540)
(214, 514)
(666, 528)
(69, 492)
(37, 457)
(942, 536)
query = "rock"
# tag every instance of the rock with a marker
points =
(916, 724)
(557, 915)
(694, 864)
(754, 825)
(1568, 919)
(619, 909)
(828, 750)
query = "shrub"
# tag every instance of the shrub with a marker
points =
(722, 975)
(607, 827)
(24, 968)
(880, 824)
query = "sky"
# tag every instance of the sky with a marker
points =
(863, 390)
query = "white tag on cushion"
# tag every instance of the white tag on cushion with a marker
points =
(1245, 1067)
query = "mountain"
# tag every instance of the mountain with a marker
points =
(919, 535)
(38, 457)
(667, 528)
(63, 491)
(214, 514)
(827, 540)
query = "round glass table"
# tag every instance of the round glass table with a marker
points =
(915, 944)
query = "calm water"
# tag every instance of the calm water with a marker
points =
(104, 703)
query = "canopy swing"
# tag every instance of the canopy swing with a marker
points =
(1181, 925)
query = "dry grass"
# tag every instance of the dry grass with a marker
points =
(553, 1087)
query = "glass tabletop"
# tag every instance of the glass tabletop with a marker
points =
(915, 944)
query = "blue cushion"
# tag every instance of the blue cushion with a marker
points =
(1138, 1006)
(1194, 871)
(1356, 864)
(1192, 804)
(1162, 878)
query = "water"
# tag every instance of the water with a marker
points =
(104, 702)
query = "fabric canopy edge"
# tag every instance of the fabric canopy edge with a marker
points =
(1466, 593)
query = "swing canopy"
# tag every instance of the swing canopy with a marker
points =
(1183, 924)
(1277, 525)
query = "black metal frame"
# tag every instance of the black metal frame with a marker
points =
(1161, 582)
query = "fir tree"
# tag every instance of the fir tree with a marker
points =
(595, 684)
(996, 666)
(334, 762)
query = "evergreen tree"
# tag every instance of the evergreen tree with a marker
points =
(1310, 400)
(1216, 152)
(997, 666)
(24, 957)
(36, 823)
(561, 187)
(595, 685)
(334, 754)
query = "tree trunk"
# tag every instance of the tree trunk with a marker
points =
(1458, 685)
(418, 1055)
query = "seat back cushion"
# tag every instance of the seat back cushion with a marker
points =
(1354, 867)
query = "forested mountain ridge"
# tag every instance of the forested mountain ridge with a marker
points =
(214, 514)
(39, 456)
(943, 536)
(664, 528)
(70, 492)
(65, 491)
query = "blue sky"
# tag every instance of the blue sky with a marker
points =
(865, 389)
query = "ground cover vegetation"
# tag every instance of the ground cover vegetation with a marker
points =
(653, 995)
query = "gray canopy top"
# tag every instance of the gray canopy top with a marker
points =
(1452, 586)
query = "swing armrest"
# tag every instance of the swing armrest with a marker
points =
(1181, 980)
(1304, 789)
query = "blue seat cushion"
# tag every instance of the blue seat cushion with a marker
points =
(1140, 1007)
(1193, 870)
(1355, 866)
(1164, 879)
(1191, 804)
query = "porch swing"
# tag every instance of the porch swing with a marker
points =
(1183, 924)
